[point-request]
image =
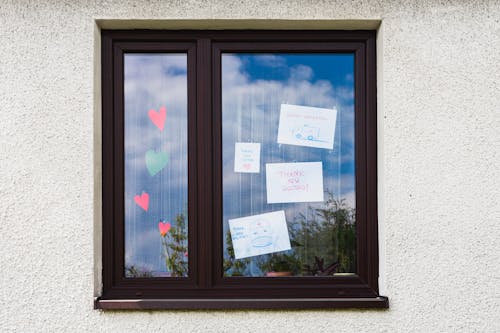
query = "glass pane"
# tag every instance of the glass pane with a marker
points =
(156, 165)
(288, 164)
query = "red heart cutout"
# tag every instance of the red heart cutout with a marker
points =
(142, 201)
(164, 227)
(158, 118)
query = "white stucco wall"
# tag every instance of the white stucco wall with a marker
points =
(439, 155)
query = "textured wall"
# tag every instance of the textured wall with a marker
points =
(439, 120)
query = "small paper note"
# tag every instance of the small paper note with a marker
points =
(247, 157)
(294, 182)
(259, 234)
(307, 126)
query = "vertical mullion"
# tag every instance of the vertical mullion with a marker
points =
(204, 167)
(193, 213)
(217, 236)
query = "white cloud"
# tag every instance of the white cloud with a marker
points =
(301, 72)
(270, 60)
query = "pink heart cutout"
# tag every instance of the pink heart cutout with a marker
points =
(158, 118)
(164, 227)
(142, 201)
(247, 166)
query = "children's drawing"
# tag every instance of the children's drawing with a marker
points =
(259, 234)
(307, 132)
(247, 157)
(307, 126)
(294, 182)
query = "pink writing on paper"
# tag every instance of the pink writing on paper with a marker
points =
(247, 157)
(142, 200)
(294, 182)
(307, 117)
(158, 118)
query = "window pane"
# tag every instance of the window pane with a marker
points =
(155, 165)
(288, 164)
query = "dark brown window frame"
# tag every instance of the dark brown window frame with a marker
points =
(206, 288)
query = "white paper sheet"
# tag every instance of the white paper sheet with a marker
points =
(247, 157)
(294, 182)
(259, 234)
(307, 126)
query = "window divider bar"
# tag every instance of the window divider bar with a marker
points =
(204, 132)
(217, 175)
(193, 214)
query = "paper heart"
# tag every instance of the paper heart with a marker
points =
(247, 166)
(142, 200)
(156, 161)
(164, 227)
(158, 118)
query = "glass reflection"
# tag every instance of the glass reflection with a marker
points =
(155, 91)
(319, 224)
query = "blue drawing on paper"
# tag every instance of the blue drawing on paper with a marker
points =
(307, 132)
(307, 126)
(261, 234)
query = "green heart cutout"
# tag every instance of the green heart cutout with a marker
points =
(156, 161)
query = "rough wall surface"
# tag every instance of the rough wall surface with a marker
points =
(439, 155)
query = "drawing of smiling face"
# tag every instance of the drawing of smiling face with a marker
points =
(261, 234)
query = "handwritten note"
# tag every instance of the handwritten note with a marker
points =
(307, 126)
(259, 234)
(247, 157)
(294, 182)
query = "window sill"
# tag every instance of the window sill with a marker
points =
(380, 302)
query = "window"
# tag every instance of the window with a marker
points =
(239, 170)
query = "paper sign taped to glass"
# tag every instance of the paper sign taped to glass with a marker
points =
(307, 126)
(294, 182)
(247, 157)
(259, 234)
